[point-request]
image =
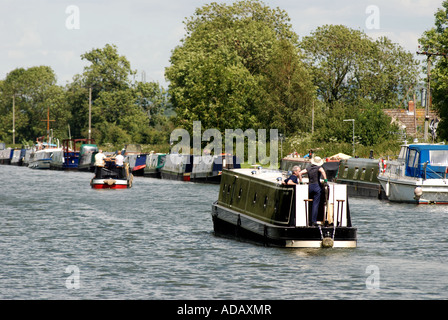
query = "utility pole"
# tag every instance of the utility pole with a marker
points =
(48, 125)
(90, 111)
(353, 134)
(428, 93)
(312, 119)
(13, 119)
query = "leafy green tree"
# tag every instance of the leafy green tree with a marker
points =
(122, 110)
(289, 91)
(34, 90)
(372, 125)
(220, 74)
(435, 40)
(349, 66)
(108, 70)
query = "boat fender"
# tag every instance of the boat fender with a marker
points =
(109, 182)
(327, 242)
(418, 191)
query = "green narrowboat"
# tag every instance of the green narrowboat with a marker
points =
(361, 177)
(254, 205)
(154, 165)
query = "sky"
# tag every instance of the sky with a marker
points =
(56, 33)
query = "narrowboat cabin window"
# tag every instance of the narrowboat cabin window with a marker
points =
(345, 174)
(355, 174)
(363, 174)
(372, 173)
(255, 198)
(240, 193)
(438, 157)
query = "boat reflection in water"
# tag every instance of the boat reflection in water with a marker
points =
(256, 206)
(112, 177)
(419, 175)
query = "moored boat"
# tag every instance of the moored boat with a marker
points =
(361, 177)
(139, 164)
(87, 153)
(208, 168)
(6, 155)
(69, 158)
(18, 157)
(42, 154)
(111, 176)
(419, 175)
(154, 165)
(256, 206)
(177, 167)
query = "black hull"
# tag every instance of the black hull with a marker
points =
(86, 168)
(138, 173)
(236, 225)
(175, 176)
(211, 179)
(364, 190)
(156, 175)
(62, 168)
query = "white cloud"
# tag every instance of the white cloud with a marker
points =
(16, 54)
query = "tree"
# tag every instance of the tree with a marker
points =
(107, 70)
(349, 66)
(122, 110)
(289, 91)
(435, 40)
(34, 90)
(221, 73)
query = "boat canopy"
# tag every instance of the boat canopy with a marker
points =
(427, 161)
(87, 147)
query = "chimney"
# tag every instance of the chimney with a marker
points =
(411, 108)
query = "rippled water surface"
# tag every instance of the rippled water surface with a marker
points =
(156, 241)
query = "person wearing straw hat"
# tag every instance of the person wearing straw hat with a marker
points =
(314, 172)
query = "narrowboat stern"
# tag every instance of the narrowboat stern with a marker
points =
(254, 205)
(112, 177)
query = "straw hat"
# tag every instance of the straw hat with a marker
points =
(317, 161)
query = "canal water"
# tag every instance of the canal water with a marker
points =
(60, 239)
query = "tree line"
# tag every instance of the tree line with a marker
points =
(121, 111)
(239, 65)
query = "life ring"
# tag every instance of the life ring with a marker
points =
(382, 165)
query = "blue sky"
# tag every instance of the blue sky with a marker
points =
(42, 32)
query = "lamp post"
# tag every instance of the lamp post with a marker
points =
(353, 135)
(280, 135)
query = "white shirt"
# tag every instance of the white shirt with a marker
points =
(99, 159)
(119, 160)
